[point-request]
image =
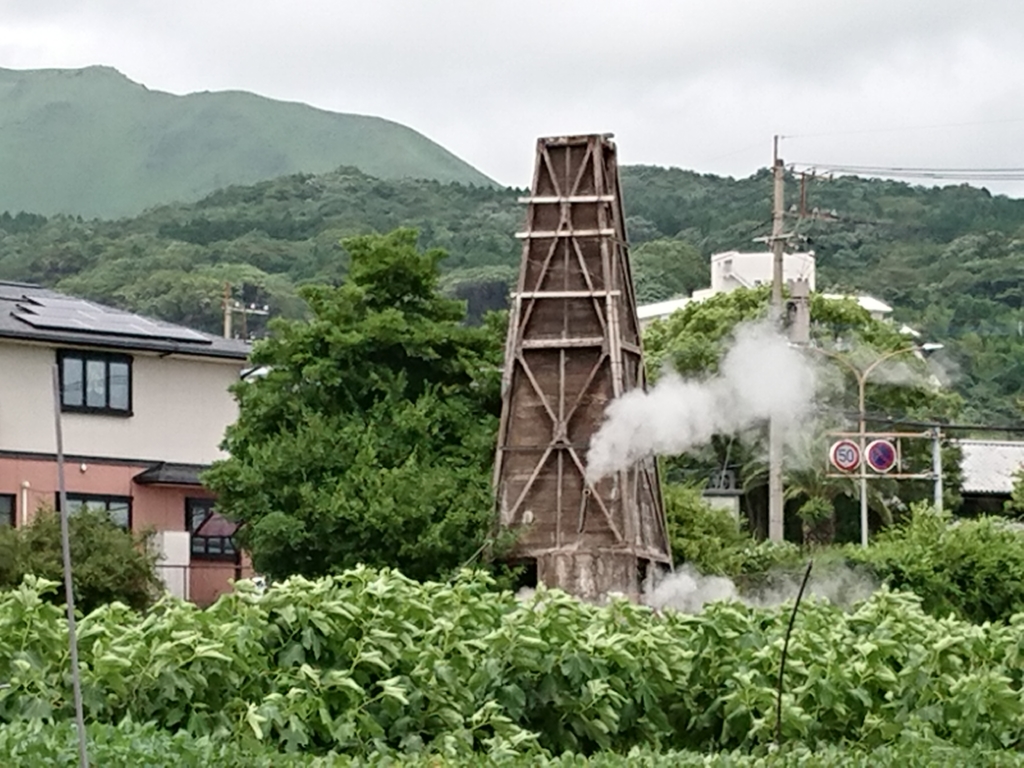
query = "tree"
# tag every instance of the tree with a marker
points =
(693, 340)
(108, 563)
(371, 436)
(948, 259)
(665, 268)
(712, 541)
(1015, 506)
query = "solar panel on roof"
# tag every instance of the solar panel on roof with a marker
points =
(86, 317)
(52, 303)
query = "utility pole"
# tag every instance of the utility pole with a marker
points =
(69, 591)
(776, 502)
(778, 223)
(228, 310)
(231, 306)
(798, 312)
(937, 467)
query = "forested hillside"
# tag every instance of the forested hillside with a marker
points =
(949, 260)
(92, 142)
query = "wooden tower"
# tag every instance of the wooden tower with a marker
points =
(574, 345)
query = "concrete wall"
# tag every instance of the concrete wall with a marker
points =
(181, 407)
(733, 269)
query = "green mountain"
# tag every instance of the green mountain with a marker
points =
(950, 260)
(93, 143)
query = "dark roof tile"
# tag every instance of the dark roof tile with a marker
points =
(34, 313)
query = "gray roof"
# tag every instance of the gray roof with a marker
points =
(989, 466)
(168, 473)
(33, 313)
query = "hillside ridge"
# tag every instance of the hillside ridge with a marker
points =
(93, 142)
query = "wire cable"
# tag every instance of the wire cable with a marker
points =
(952, 174)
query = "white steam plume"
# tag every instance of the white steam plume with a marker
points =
(688, 590)
(761, 376)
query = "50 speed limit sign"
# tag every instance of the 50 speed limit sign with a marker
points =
(844, 455)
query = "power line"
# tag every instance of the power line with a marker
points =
(949, 427)
(908, 168)
(959, 174)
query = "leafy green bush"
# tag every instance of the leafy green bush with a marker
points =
(108, 563)
(33, 743)
(712, 541)
(973, 569)
(128, 745)
(371, 661)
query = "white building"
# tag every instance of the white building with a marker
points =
(732, 269)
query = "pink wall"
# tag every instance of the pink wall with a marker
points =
(159, 507)
(41, 475)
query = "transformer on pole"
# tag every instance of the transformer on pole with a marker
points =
(573, 346)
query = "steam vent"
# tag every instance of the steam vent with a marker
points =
(574, 345)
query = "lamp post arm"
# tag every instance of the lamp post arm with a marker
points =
(838, 358)
(886, 356)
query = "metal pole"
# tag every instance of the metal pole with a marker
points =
(778, 223)
(937, 468)
(785, 650)
(69, 593)
(776, 500)
(227, 310)
(861, 382)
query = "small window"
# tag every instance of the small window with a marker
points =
(95, 382)
(118, 508)
(212, 533)
(7, 509)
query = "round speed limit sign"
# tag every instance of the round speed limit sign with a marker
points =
(844, 455)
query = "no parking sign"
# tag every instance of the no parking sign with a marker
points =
(881, 455)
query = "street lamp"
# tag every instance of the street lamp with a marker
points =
(862, 379)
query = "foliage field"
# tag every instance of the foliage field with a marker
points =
(371, 661)
(127, 745)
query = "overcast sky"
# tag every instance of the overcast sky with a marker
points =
(701, 85)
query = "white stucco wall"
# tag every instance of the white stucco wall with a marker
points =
(181, 407)
(732, 269)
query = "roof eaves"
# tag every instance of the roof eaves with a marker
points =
(126, 343)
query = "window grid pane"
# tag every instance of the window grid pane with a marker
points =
(72, 389)
(96, 383)
(118, 512)
(119, 386)
(6, 509)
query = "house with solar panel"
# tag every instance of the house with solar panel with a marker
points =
(143, 404)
